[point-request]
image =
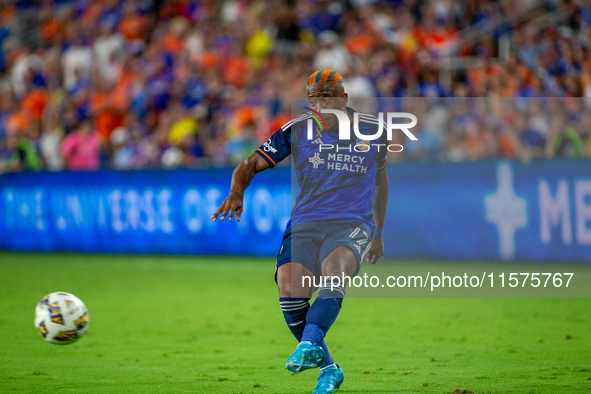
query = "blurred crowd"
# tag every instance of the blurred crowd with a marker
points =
(460, 128)
(129, 84)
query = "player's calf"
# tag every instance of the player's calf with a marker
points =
(295, 311)
(324, 311)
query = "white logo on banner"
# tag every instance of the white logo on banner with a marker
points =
(506, 210)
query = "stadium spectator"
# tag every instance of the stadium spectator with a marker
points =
(51, 139)
(123, 149)
(80, 149)
(331, 54)
(77, 62)
(108, 106)
(109, 50)
(563, 140)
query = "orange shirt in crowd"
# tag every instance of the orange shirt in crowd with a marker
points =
(133, 27)
(435, 38)
(476, 76)
(34, 103)
(174, 43)
(276, 124)
(235, 69)
(107, 117)
(243, 116)
(50, 29)
(120, 96)
(360, 44)
(279, 121)
(208, 60)
(16, 122)
(7, 14)
(506, 146)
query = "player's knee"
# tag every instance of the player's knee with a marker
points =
(340, 261)
(284, 280)
(291, 281)
(287, 288)
(284, 288)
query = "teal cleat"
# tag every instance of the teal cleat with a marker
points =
(330, 379)
(305, 356)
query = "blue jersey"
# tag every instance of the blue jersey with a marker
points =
(334, 184)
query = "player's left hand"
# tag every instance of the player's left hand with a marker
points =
(375, 251)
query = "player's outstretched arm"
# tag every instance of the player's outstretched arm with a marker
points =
(241, 178)
(379, 215)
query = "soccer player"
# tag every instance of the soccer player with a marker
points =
(332, 228)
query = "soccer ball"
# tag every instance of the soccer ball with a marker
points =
(61, 318)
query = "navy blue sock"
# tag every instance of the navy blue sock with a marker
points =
(323, 312)
(327, 357)
(294, 312)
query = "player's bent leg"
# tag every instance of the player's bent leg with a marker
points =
(330, 378)
(294, 299)
(289, 280)
(294, 303)
(327, 306)
(340, 261)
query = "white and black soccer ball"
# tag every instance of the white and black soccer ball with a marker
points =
(61, 318)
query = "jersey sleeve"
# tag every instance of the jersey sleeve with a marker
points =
(276, 148)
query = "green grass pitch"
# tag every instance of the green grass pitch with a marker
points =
(200, 324)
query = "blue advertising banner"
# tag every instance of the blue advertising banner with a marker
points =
(141, 212)
(491, 210)
(481, 211)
